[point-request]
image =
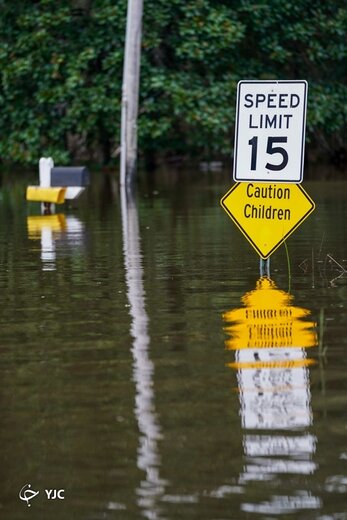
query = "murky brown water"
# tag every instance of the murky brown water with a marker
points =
(149, 372)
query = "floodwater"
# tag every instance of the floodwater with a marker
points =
(148, 371)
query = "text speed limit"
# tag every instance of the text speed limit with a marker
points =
(270, 131)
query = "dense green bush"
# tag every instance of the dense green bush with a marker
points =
(61, 72)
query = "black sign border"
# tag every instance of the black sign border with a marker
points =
(302, 137)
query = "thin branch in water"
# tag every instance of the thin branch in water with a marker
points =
(332, 282)
(325, 265)
(289, 270)
(337, 263)
(312, 256)
(321, 350)
(304, 265)
(321, 245)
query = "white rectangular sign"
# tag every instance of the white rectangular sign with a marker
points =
(270, 131)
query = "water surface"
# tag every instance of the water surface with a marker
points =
(128, 380)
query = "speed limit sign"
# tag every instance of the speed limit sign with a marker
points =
(270, 131)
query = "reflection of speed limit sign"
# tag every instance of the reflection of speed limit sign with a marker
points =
(270, 131)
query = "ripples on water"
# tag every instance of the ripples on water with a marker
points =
(149, 371)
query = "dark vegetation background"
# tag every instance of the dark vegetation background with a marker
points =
(61, 72)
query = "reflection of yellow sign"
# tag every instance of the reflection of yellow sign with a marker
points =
(267, 213)
(272, 364)
(36, 224)
(268, 336)
(268, 320)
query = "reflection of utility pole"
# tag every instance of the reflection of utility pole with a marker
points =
(130, 92)
(148, 459)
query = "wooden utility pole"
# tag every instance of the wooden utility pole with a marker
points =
(130, 92)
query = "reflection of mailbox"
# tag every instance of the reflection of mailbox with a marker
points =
(38, 224)
(53, 230)
(69, 176)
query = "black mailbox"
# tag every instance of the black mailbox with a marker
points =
(69, 176)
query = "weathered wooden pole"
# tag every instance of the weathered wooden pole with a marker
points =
(130, 92)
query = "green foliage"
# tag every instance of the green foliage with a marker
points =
(61, 78)
(61, 72)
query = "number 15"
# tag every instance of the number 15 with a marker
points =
(271, 150)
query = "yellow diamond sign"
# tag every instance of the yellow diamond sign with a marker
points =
(267, 213)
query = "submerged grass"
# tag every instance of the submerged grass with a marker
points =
(329, 260)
